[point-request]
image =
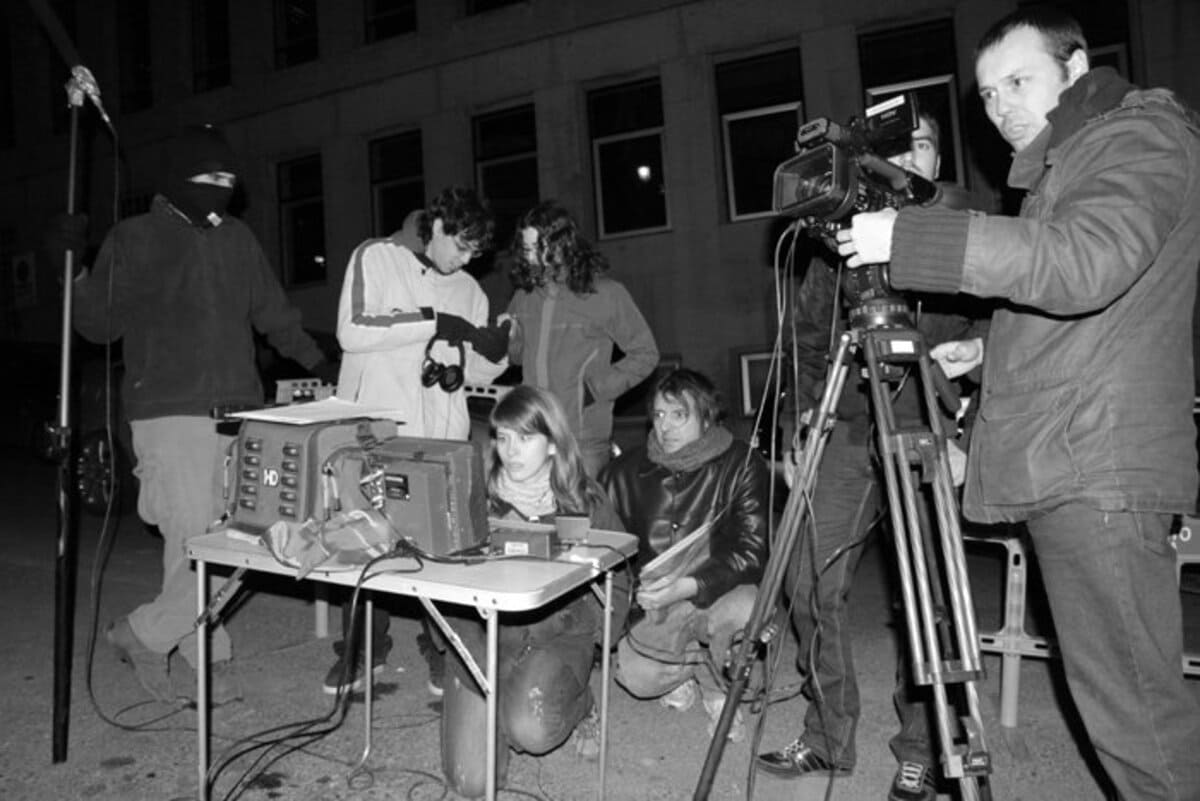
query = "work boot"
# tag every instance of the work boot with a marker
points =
(149, 668)
(343, 679)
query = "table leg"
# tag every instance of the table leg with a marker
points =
(369, 677)
(202, 678)
(493, 643)
(605, 663)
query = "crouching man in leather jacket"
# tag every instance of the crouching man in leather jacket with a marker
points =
(690, 474)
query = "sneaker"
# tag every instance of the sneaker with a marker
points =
(797, 759)
(912, 782)
(682, 697)
(586, 737)
(714, 704)
(341, 680)
(435, 660)
(150, 668)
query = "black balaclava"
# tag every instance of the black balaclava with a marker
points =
(195, 151)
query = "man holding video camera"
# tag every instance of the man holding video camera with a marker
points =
(846, 501)
(1085, 428)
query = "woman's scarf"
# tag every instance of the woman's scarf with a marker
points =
(533, 497)
(712, 443)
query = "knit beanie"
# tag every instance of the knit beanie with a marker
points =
(197, 150)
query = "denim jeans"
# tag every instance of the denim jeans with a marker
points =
(543, 668)
(847, 492)
(660, 653)
(1110, 579)
(180, 470)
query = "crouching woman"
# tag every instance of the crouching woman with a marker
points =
(535, 473)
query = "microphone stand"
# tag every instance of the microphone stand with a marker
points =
(67, 542)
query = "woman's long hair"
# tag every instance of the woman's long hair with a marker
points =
(561, 250)
(529, 410)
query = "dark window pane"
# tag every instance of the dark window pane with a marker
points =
(387, 18)
(511, 188)
(505, 133)
(756, 145)
(7, 132)
(629, 107)
(393, 202)
(210, 44)
(397, 180)
(1104, 22)
(398, 156)
(908, 53)
(133, 55)
(632, 189)
(482, 6)
(766, 80)
(302, 220)
(295, 32)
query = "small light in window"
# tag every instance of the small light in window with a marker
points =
(644, 173)
(319, 259)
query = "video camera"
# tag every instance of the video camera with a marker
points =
(842, 170)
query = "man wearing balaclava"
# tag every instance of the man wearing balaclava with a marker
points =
(184, 286)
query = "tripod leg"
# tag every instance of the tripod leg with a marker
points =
(953, 658)
(758, 628)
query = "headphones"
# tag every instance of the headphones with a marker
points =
(448, 376)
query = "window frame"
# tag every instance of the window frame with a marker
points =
(795, 110)
(377, 185)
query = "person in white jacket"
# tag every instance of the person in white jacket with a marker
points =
(413, 328)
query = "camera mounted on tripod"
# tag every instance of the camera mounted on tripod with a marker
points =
(842, 170)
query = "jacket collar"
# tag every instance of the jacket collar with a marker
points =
(1096, 92)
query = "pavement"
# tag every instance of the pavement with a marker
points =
(285, 741)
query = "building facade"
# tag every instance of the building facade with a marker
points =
(657, 122)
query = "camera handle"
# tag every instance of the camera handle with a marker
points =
(943, 637)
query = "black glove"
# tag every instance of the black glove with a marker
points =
(66, 232)
(325, 370)
(491, 342)
(453, 328)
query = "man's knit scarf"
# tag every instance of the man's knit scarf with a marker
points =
(712, 443)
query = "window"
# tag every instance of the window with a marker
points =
(918, 60)
(397, 180)
(302, 221)
(210, 44)
(760, 100)
(626, 126)
(908, 53)
(7, 132)
(388, 18)
(506, 169)
(295, 32)
(484, 6)
(133, 55)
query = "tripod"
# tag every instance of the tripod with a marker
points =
(939, 616)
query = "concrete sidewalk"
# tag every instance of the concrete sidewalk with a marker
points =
(123, 748)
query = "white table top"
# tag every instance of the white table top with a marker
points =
(505, 584)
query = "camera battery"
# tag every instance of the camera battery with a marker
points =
(537, 541)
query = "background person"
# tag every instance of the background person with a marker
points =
(846, 502)
(545, 658)
(399, 310)
(184, 286)
(1085, 428)
(690, 473)
(567, 316)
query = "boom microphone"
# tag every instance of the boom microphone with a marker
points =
(58, 37)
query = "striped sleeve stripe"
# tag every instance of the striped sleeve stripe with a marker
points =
(358, 300)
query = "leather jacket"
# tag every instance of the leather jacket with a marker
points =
(662, 506)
